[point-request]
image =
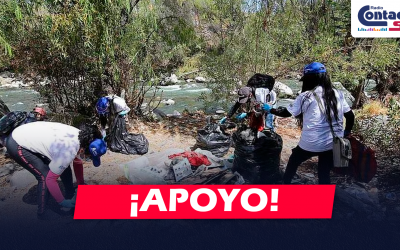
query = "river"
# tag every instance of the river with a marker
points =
(20, 99)
(185, 97)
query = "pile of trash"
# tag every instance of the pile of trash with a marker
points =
(214, 139)
(177, 166)
(257, 155)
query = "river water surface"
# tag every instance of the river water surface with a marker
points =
(185, 97)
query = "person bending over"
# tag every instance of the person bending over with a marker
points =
(46, 149)
(108, 108)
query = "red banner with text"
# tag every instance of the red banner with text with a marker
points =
(204, 202)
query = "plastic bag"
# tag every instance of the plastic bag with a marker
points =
(211, 138)
(3, 108)
(149, 169)
(126, 143)
(257, 156)
(10, 121)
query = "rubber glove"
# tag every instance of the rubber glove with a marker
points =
(67, 203)
(266, 107)
(123, 112)
(241, 116)
(103, 133)
(223, 120)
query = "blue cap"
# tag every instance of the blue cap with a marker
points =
(102, 106)
(97, 148)
(314, 68)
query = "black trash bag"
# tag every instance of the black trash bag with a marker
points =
(3, 108)
(213, 139)
(119, 140)
(11, 121)
(257, 159)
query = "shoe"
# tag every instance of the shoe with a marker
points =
(48, 215)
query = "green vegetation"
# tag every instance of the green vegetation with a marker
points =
(380, 127)
(86, 46)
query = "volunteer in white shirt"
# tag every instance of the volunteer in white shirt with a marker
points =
(316, 137)
(107, 112)
(46, 149)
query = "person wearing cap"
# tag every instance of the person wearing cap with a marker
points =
(244, 97)
(108, 107)
(37, 114)
(258, 90)
(46, 149)
(40, 113)
(316, 137)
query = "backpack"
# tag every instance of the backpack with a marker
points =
(10, 121)
(3, 108)
(363, 163)
(261, 81)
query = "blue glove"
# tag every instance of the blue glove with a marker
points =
(123, 112)
(67, 203)
(346, 133)
(103, 133)
(266, 107)
(223, 120)
(241, 116)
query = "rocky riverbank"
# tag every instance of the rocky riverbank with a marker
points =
(13, 80)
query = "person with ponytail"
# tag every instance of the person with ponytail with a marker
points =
(316, 137)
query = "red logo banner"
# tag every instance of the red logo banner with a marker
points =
(204, 202)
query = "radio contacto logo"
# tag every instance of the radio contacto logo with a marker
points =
(378, 16)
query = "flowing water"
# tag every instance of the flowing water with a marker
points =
(20, 99)
(185, 97)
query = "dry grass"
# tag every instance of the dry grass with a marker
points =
(373, 108)
(4, 161)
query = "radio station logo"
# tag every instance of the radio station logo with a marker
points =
(375, 18)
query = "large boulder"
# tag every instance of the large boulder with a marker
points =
(5, 82)
(282, 89)
(7, 74)
(170, 80)
(370, 86)
(168, 102)
(173, 79)
(200, 79)
(349, 98)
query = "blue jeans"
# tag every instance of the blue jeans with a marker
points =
(269, 121)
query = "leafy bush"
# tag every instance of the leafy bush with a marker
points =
(379, 127)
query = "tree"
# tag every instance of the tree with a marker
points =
(84, 47)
